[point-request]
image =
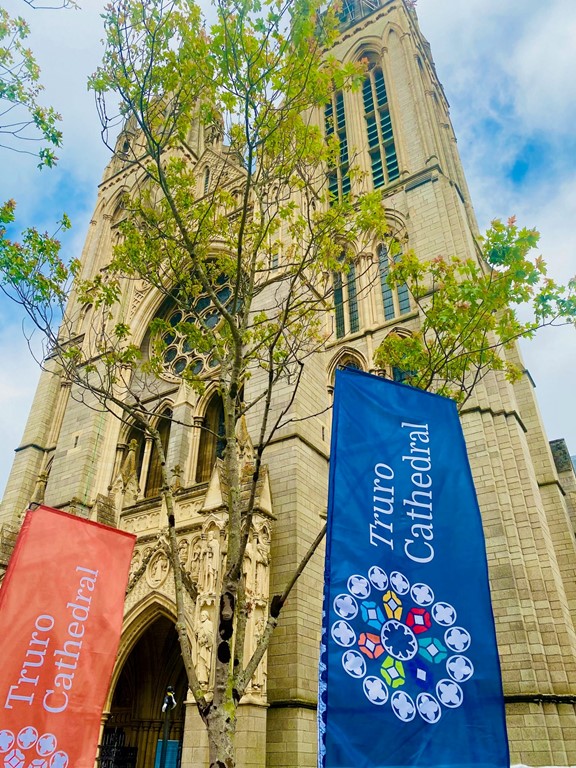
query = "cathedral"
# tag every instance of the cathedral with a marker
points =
(95, 466)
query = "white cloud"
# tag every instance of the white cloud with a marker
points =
(542, 65)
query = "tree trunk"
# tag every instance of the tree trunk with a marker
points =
(221, 725)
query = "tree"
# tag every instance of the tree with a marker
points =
(470, 312)
(254, 86)
(23, 120)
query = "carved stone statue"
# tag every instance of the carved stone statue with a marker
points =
(248, 566)
(212, 563)
(196, 561)
(215, 131)
(129, 474)
(183, 551)
(136, 562)
(262, 561)
(205, 637)
(157, 569)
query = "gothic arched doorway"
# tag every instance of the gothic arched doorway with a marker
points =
(135, 724)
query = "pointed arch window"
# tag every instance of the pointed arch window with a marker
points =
(212, 439)
(396, 301)
(147, 460)
(346, 301)
(335, 125)
(206, 179)
(381, 146)
(154, 478)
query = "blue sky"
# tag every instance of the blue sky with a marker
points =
(508, 72)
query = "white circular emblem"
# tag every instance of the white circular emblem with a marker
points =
(378, 578)
(399, 582)
(403, 706)
(450, 693)
(375, 690)
(46, 744)
(343, 634)
(422, 594)
(459, 668)
(359, 586)
(345, 606)
(59, 760)
(27, 737)
(399, 640)
(444, 614)
(428, 708)
(457, 639)
(353, 662)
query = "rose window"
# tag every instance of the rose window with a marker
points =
(179, 355)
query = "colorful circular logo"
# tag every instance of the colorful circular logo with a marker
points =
(402, 644)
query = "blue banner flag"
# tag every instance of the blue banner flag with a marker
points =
(409, 673)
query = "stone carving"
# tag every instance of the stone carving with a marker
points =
(262, 562)
(196, 561)
(248, 566)
(40, 489)
(205, 638)
(124, 489)
(157, 569)
(183, 551)
(141, 288)
(177, 473)
(136, 562)
(129, 474)
(211, 571)
(215, 131)
(246, 452)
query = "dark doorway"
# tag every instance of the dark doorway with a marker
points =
(136, 721)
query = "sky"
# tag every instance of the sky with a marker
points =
(508, 72)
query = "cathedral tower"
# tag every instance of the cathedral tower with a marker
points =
(396, 129)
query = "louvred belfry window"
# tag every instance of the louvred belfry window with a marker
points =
(335, 125)
(381, 146)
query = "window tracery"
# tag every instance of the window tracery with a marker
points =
(346, 309)
(179, 355)
(396, 301)
(379, 131)
(335, 126)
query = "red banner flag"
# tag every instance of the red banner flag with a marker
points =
(61, 607)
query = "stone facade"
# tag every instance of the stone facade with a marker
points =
(85, 461)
